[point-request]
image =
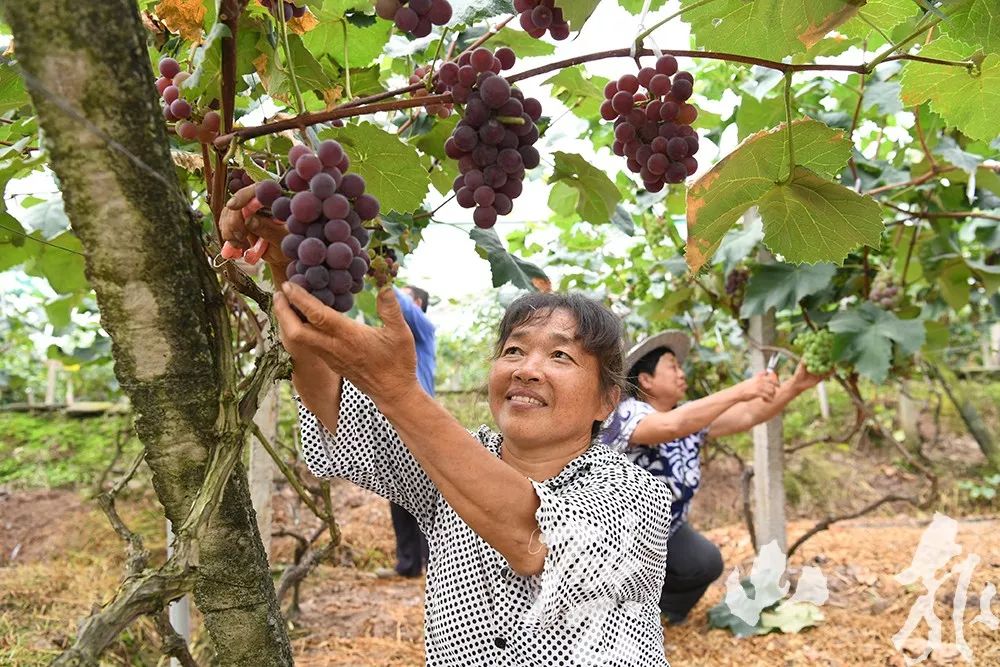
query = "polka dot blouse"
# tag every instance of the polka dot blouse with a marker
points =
(603, 519)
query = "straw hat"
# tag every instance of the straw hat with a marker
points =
(678, 342)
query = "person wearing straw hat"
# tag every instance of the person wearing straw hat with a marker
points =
(666, 440)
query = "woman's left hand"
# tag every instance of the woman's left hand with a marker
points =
(380, 361)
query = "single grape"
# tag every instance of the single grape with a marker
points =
(169, 67)
(353, 186)
(336, 230)
(323, 185)
(267, 192)
(281, 208)
(306, 206)
(338, 255)
(312, 252)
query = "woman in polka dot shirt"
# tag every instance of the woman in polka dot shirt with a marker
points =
(546, 548)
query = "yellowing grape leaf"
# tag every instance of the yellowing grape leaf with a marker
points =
(964, 99)
(183, 16)
(302, 24)
(766, 28)
(741, 179)
(975, 22)
(391, 168)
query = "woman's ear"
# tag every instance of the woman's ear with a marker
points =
(611, 400)
(644, 379)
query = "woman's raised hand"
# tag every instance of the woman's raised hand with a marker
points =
(380, 361)
(764, 385)
(241, 226)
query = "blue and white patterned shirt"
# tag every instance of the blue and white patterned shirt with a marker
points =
(676, 463)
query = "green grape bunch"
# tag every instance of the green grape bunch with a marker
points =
(817, 351)
(885, 293)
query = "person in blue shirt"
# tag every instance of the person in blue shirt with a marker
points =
(411, 545)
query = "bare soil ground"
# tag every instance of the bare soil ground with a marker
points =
(350, 617)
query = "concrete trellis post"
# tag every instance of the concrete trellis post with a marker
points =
(768, 444)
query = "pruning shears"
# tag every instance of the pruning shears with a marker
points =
(773, 362)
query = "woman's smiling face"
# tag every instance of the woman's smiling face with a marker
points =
(544, 387)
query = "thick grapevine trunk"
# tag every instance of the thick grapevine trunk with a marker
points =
(89, 75)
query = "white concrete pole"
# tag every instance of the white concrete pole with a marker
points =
(768, 444)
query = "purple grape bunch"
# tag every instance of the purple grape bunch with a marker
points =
(537, 16)
(289, 9)
(417, 17)
(238, 179)
(325, 213)
(653, 129)
(494, 141)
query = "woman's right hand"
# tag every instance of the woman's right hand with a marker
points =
(243, 232)
(764, 385)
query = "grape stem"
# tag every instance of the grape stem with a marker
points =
(511, 120)
(347, 61)
(788, 126)
(371, 104)
(641, 37)
(283, 29)
(892, 48)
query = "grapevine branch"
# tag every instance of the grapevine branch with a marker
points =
(930, 215)
(374, 104)
(830, 520)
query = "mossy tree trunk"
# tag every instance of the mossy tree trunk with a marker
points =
(88, 71)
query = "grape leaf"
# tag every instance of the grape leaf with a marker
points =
(182, 16)
(753, 114)
(12, 92)
(523, 44)
(47, 217)
(59, 310)
(308, 71)
(563, 199)
(765, 28)
(811, 219)
(742, 178)
(14, 248)
(390, 167)
(598, 195)
(966, 100)
(791, 617)
(884, 15)
(738, 243)
(865, 336)
(578, 11)
(61, 263)
(953, 282)
(366, 38)
(581, 93)
(884, 95)
(470, 11)
(635, 6)
(207, 72)
(975, 22)
(505, 267)
(781, 286)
